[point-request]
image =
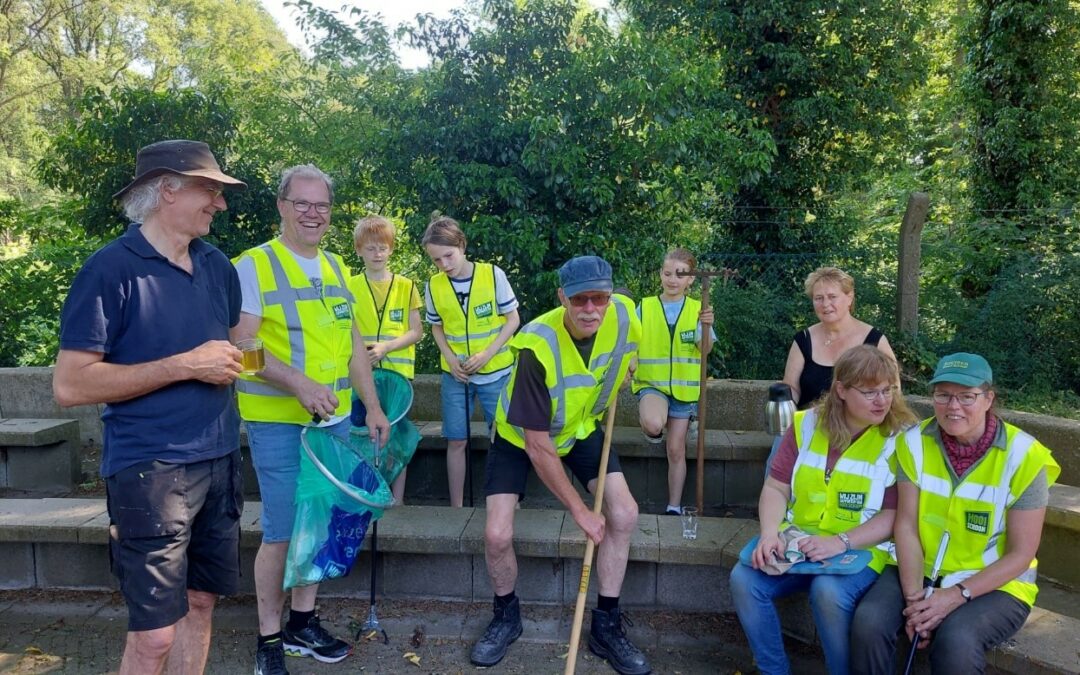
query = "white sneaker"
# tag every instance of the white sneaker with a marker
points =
(691, 431)
(657, 440)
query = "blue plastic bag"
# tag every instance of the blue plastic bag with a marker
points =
(330, 525)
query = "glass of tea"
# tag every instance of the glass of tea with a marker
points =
(252, 358)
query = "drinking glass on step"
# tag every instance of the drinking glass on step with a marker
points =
(689, 522)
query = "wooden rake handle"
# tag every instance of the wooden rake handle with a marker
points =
(590, 547)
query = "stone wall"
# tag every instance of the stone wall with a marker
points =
(732, 405)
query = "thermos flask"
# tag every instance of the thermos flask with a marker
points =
(780, 410)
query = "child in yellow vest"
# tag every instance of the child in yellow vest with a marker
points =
(667, 379)
(473, 312)
(386, 308)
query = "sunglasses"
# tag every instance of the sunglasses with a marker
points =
(597, 299)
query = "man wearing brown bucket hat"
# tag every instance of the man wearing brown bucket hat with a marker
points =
(145, 331)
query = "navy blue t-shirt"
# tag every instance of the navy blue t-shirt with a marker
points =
(129, 302)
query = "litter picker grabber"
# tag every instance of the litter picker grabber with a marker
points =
(929, 591)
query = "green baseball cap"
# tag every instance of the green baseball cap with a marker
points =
(970, 370)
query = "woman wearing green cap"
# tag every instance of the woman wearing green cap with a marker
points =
(985, 483)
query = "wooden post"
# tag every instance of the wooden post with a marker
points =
(907, 269)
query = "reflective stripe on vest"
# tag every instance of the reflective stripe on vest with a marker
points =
(305, 330)
(669, 359)
(579, 394)
(388, 324)
(470, 330)
(975, 511)
(851, 494)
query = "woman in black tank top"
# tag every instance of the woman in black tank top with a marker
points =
(813, 352)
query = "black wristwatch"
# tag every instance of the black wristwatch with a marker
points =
(964, 592)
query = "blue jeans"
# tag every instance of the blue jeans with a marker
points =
(275, 452)
(833, 598)
(452, 394)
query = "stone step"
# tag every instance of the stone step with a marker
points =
(40, 455)
(437, 553)
(734, 468)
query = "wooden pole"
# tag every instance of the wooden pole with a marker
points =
(703, 397)
(907, 269)
(586, 564)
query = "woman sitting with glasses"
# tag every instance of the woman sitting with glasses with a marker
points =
(986, 483)
(832, 477)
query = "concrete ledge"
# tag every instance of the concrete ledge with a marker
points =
(437, 552)
(39, 454)
(732, 404)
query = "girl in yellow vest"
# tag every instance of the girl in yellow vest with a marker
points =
(668, 375)
(386, 308)
(833, 477)
(967, 472)
(473, 312)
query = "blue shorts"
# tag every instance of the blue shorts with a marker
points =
(675, 408)
(275, 452)
(452, 393)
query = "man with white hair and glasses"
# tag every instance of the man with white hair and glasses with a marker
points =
(145, 331)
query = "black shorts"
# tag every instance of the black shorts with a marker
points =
(508, 466)
(174, 527)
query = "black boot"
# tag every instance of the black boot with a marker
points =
(607, 639)
(504, 628)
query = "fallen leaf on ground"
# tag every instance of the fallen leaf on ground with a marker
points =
(412, 658)
(34, 651)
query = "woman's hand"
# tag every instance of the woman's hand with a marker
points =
(768, 548)
(924, 615)
(817, 548)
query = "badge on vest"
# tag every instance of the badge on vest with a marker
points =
(341, 310)
(851, 501)
(397, 315)
(977, 521)
(483, 310)
(687, 337)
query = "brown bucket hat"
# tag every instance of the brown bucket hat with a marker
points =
(187, 158)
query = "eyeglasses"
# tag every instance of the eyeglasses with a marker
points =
(302, 206)
(871, 394)
(598, 300)
(964, 398)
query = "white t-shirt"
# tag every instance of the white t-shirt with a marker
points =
(249, 280)
(504, 298)
(252, 294)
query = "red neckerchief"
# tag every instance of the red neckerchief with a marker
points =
(963, 456)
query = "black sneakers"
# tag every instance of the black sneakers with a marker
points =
(313, 640)
(504, 628)
(607, 639)
(270, 659)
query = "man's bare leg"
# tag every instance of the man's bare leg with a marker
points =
(192, 642)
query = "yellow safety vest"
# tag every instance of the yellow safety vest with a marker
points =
(669, 358)
(470, 331)
(852, 494)
(309, 332)
(975, 511)
(579, 394)
(387, 323)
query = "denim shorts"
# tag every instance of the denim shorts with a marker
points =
(275, 452)
(675, 408)
(174, 527)
(452, 393)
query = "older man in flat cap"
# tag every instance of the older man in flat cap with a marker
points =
(145, 330)
(568, 366)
